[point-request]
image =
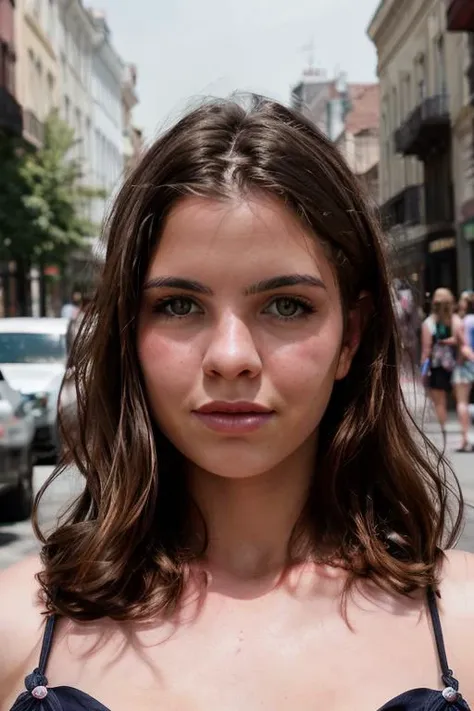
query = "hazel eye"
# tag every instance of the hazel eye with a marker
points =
(179, 307)
(287, 307)
(176, 307)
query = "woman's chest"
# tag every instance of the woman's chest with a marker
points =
(239, 661)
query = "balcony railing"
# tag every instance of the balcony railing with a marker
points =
(405, 208)
(460, 15)
(10, 113)
(33, 129)
(428, 126)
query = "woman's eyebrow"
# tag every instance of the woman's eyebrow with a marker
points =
(177, 283)
(283, 280)
(276, 282)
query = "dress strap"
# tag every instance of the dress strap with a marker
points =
(446, 673)
(47, 643)
(36, 682)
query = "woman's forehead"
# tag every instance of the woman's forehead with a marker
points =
(237, 235)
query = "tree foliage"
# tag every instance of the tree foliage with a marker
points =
(43, 202)
(15, 222)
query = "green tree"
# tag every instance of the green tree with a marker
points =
(14, 218)
(43, 202)
(56, 199)
(16, 239)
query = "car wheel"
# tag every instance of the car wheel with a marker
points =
(17, 504)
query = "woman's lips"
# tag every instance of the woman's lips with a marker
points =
(234, 418)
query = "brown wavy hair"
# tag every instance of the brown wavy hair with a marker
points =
(381, 505)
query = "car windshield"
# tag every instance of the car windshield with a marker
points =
(32, 348)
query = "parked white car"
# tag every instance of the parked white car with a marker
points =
(17, 430)
(33, 360)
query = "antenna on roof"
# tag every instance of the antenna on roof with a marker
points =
(308, 48)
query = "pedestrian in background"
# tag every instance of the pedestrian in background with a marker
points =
(463, 303)
(71, 309)
(409, 323)
(261, 526)
(442, 342)
(463, 375)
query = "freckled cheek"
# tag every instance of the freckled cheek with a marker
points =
(165, 362)
(304, 364)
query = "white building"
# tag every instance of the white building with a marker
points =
(107, 142)
(76, 39)
(91, 93)
(132, 136)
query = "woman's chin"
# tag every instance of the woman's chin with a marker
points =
(234, 467)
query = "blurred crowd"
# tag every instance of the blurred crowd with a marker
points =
(439, 342)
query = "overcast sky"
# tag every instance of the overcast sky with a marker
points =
(188, 48)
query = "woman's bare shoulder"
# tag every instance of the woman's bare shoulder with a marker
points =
(457, 573)
(21, 619)
(457, 616)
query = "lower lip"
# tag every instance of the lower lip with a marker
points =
(235, 422)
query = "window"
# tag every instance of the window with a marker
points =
(87, 139)
(32, 348)
(421, 78)
(50, 24)
(78, 136)
(6, 67)
(38, 89)
(408, 99)
(440, 66)
(30, 80)
(67, 109)
(395, 108)
(50, 82)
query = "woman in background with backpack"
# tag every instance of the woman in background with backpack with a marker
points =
(442, 343)
(463, 376)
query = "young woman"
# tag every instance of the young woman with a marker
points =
(463, 376)
(463, 303)
(442, 347)
(261, 525)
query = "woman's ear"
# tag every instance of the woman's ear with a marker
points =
(356, 323)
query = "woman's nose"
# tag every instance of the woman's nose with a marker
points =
(232, 351)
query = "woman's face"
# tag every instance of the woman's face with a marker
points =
(240, 334)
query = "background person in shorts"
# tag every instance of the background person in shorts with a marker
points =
(463, 375)
(442, 341)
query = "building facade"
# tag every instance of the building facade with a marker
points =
(358, 140)
(324, 101)
(132, 136)
(422, 77)
(76, 39)
(106, 86)
(38, 67)
(10, 111)
(348, 114)
(460, 25)
(91, 74)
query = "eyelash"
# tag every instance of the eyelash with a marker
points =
(306, 306)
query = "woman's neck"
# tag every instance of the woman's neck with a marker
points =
(250, 520)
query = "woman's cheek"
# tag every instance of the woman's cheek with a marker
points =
(166, 361)
(305, 360)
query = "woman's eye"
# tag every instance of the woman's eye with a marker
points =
(287, 307)
(178, 306)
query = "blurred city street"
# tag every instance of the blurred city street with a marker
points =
(17, 540)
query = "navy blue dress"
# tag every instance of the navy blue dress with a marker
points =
(41, 697)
